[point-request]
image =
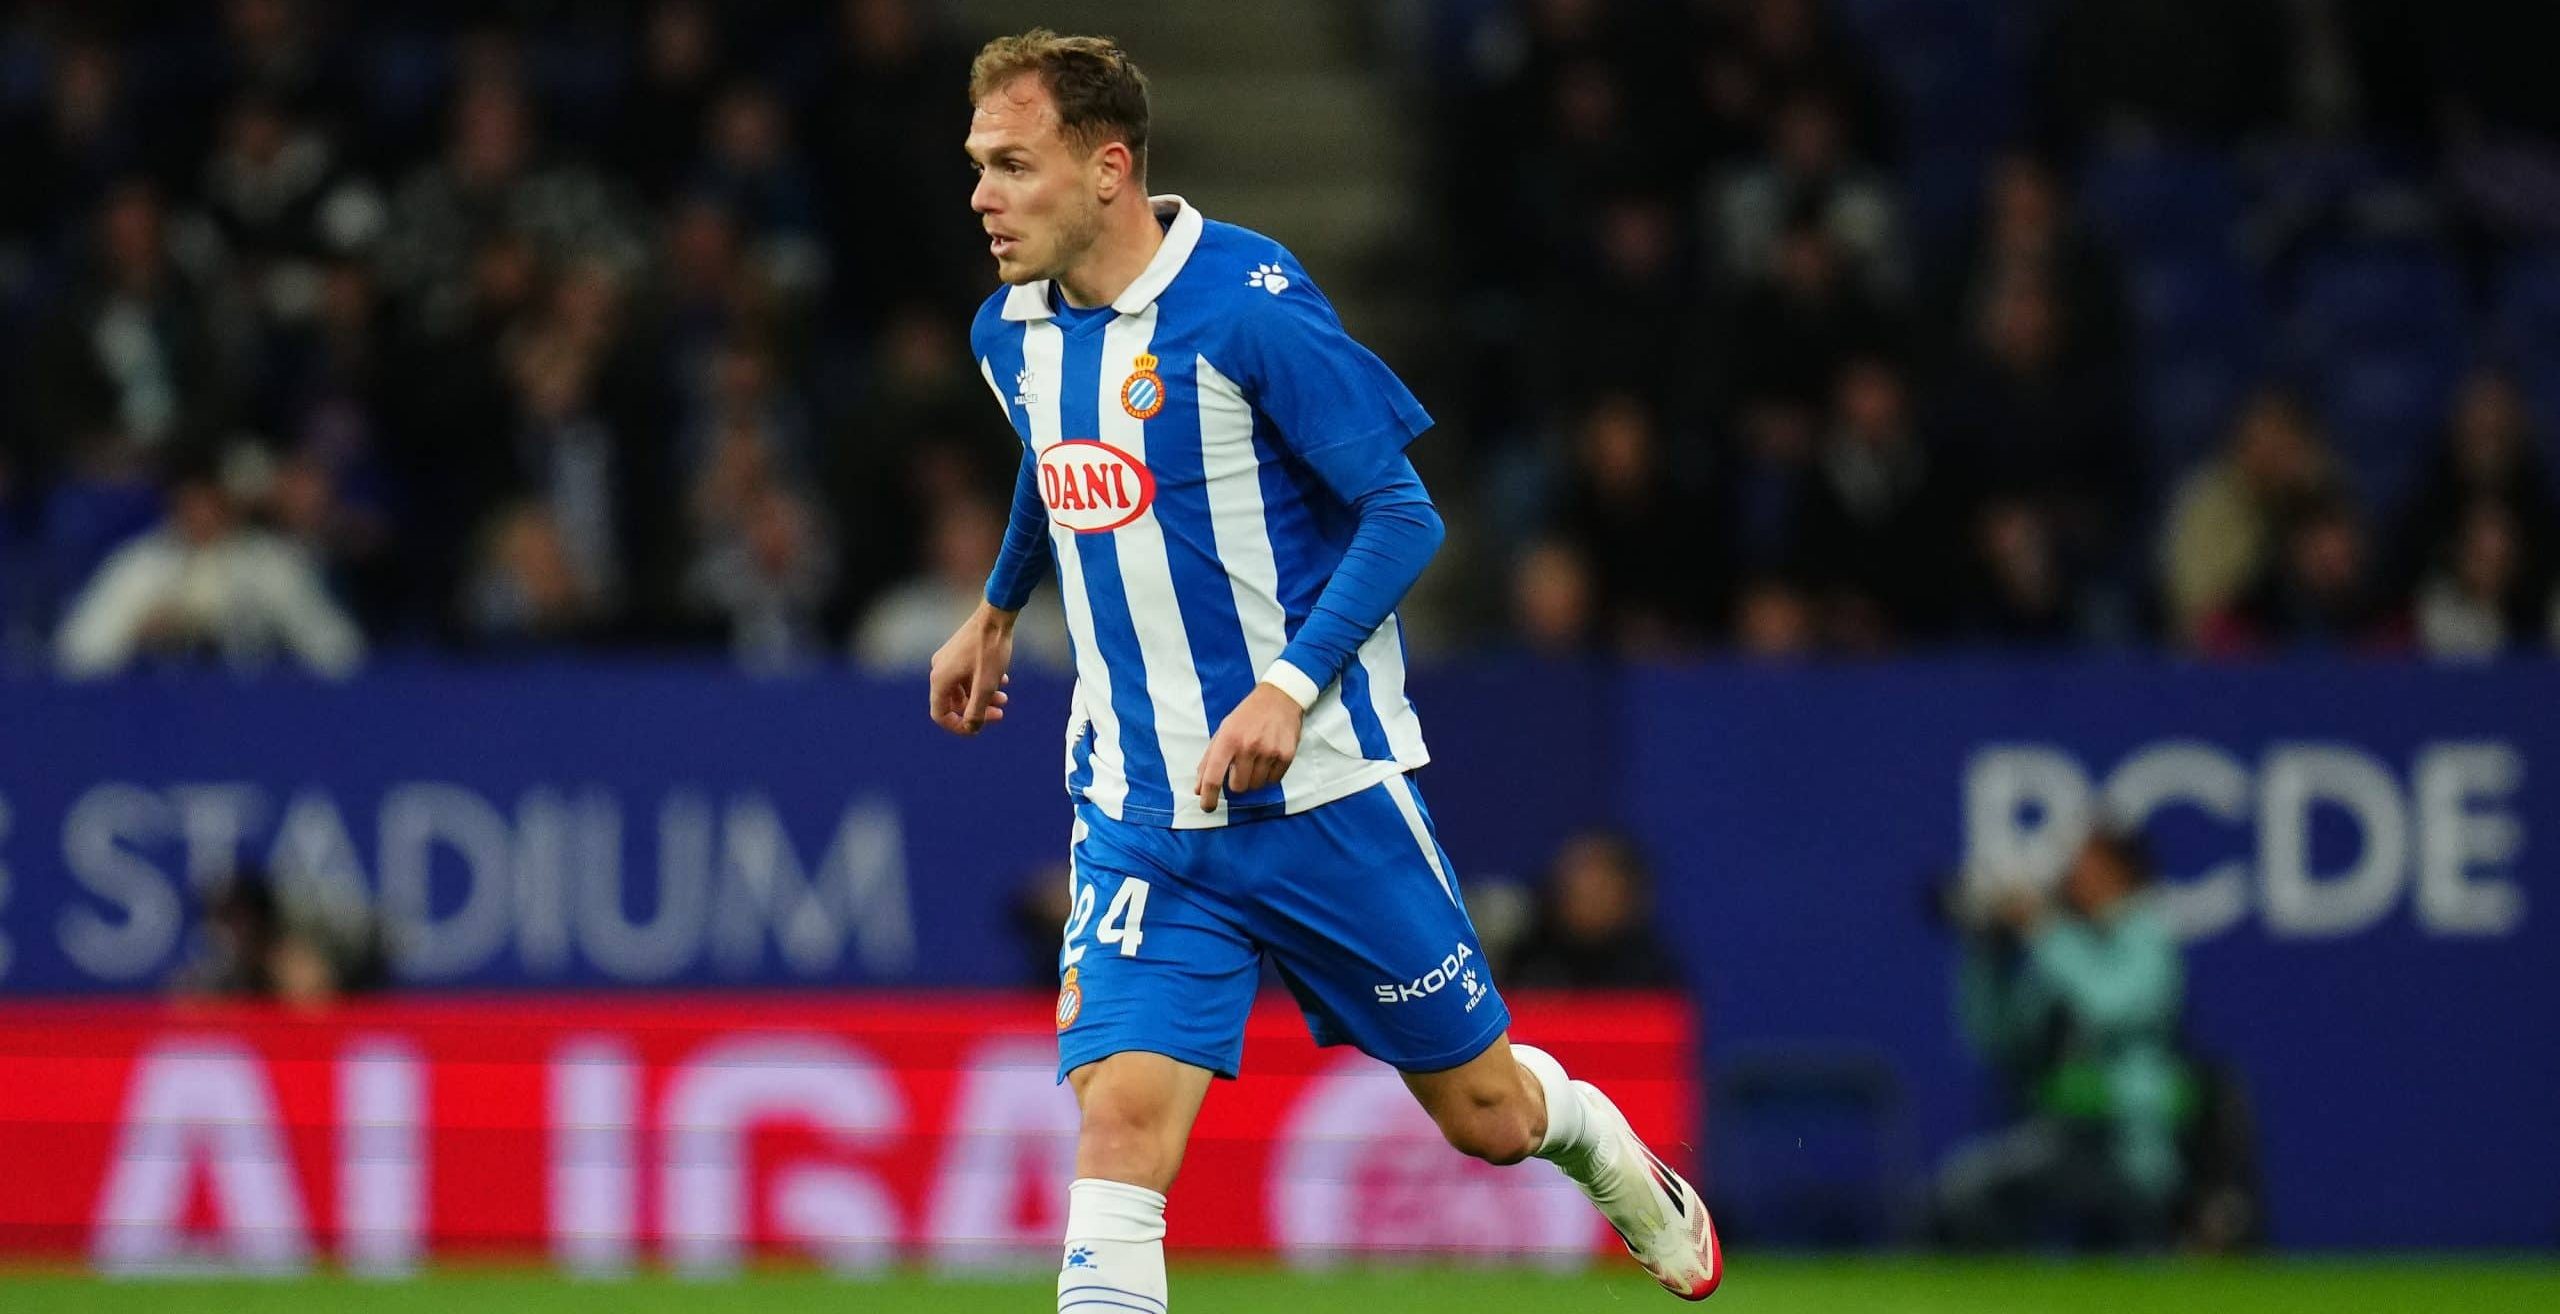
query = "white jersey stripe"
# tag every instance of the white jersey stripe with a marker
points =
(1044, 359)
(1401, 790)
(1236, 525)
(1328, 748)
(1383, 656)
(1146, 577)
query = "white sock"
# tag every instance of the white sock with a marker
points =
(1114, 1261)
(1568, 1138)
(1574, 1144)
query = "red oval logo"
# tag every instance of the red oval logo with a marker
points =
(1093, 487)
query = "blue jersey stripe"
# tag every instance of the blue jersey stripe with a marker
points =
(1200, 584)
(1141, 756)
(1365, 724)
(1298, 548)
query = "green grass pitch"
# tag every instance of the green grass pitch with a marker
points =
(1766, 1286)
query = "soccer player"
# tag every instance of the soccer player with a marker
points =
(1216, 473)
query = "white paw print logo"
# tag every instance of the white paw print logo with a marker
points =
(1268, 278)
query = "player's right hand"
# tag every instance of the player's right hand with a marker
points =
(966, 687)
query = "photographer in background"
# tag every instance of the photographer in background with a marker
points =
(2077, 1000)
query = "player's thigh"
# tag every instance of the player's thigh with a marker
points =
(1151, 962)
(1360, 907)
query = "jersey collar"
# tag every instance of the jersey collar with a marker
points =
(1181, 234)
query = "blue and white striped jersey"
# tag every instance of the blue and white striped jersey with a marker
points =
(1190, 534)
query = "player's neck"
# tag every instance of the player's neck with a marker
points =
(1130, 236)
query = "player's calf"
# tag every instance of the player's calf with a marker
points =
(1487, 1108)
(1137, 1112)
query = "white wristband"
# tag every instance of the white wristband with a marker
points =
(1296, 683)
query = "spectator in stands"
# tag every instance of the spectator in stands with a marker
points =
(569, 460)
(323, 398)
(2318, 590)
(133, 360)
(2037, 418)
(79, 144)
(2479, 601)
(751, 167)
(280, 199)
(1772, 482)
(205, 586)
(2028, 232)
(1808, 167)
(1880, 517)
(743, 399)
(346, 539)
(921, 431)
(525, 590)
(1593, 929)
(1799, 321)
(2076, 1001)
(1554, 608)
(658, 132)
(1776, 620)
(282, 52)
(2489, 454)
(2222, 519)
(260, 941)
(1785, 45)
(1629, 512)
(764, 579)
(1620, 308)
(451, 412)
(2019, 591)
(493, 180)
(902, 630)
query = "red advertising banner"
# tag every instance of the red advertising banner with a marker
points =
(700, 1133)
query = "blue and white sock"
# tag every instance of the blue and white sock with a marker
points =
(1114, 1261)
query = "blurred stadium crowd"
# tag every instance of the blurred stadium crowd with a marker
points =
(339, 327)
(2228, 325)
(1792, 327)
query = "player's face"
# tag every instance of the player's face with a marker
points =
(1038, 199)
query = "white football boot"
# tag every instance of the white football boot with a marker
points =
(1658, 1215)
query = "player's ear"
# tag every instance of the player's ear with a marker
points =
(1111, 169)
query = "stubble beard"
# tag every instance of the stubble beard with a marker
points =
(1078, 230)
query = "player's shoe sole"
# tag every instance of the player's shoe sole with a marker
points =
(1680, 1250)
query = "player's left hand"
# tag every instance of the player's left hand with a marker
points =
(1253, 747)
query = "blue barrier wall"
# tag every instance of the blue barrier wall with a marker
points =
(2360, 854)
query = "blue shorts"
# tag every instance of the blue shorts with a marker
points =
(1354, 902)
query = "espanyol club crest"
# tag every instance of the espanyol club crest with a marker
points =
(1143, 394)
(1070, 1000)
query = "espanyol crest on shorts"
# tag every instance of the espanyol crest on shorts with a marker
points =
(1143, 394)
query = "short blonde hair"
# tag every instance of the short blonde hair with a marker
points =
(1100, 94)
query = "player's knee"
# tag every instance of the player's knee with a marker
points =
(1128, 1136)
